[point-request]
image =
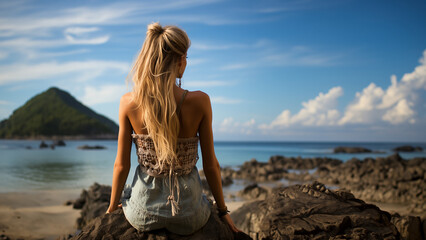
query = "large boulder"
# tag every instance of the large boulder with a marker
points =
(115, 226)
(313, 212)
(95, 224)
(410, 227)
(93, 203)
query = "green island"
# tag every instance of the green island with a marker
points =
(56, 113)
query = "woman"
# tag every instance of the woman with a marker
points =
(165, 122)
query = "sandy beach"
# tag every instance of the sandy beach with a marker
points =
(38, 214)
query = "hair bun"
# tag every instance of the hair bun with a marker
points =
(155, 28)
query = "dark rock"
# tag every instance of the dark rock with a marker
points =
(410, 227)
(389, 179)
(313, 212)
(95, 224)
(93, 203)
(43, 145)
(351, 150)
(59, 143)
(69, 202)
(28, 147)
(408, 149)
(253, 191)
(115, 226)
(52, 146)
(79, 203)
(277, 168)
(87, 147)
(226, 181)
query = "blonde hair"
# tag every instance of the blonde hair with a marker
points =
(154, 74)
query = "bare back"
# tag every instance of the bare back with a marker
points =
(190, 116)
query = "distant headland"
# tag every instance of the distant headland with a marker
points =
(56, 114)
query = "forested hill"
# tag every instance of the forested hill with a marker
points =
(56, 113)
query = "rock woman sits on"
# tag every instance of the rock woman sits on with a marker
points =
(165, 122)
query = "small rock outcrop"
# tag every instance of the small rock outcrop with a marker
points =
(43, 145)
(277, 168)
(253, 191)
(87, 147)
(314, 212)
(351, 150)
(408, 149)
(59, 143)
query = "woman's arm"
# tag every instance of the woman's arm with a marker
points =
(211, 166)
(122, 160)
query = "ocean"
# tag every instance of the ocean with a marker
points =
(25, 167)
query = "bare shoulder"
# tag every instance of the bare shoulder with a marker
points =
(199, 98)
(127, 103)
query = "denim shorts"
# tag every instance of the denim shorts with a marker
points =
(145, 203)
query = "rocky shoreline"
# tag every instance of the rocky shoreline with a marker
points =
(310, 209)
(389, 179)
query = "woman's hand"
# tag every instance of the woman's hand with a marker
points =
(227, 219)
(112, 209)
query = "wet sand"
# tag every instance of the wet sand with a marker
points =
(38, 214)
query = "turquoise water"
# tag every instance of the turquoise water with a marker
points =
(23, 169)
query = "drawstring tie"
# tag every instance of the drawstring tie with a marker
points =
(173, 184)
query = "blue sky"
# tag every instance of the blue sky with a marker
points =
(330, 70)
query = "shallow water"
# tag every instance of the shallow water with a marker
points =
(23, 169)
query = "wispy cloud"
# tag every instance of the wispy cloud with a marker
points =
(40, 71)
(79, 35)
(224, 100)
(196, 61)
(3, 55)
(268, 53)
(203, 84)
(287, 6)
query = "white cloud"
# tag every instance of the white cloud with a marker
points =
(2, 102)
(395, 105)
(13, 73)
(364, 108)
(103, 94)
(320, 111)
(224, 100)
(400, 113)
(373, 106)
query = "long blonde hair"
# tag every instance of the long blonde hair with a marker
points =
(154, 74)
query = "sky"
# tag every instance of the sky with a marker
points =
(299, 70)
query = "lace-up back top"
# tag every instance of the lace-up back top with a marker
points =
(186, 151)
